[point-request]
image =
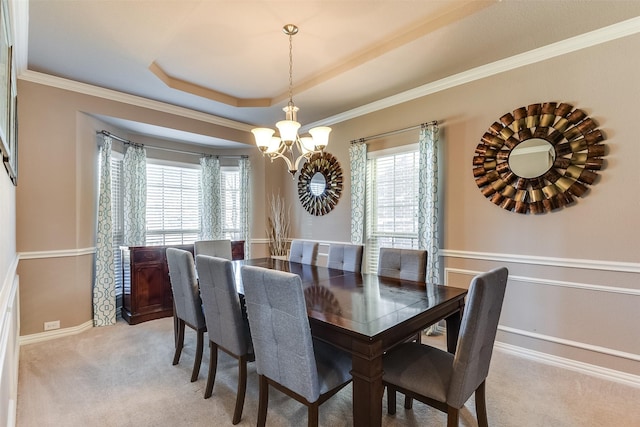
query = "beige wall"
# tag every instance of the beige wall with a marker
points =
(574, 288)
(56, 199)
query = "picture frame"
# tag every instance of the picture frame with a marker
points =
(5, 78)
(11, 158)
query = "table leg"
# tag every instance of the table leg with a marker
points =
(367, 385)
(453, 330)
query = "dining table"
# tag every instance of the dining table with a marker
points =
(367, 315)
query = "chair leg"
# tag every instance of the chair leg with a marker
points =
(213, 366)
(452, 416)
(179, 341)
(242, 388)
(198, 361)
(391, 400)
(481, 406)
(313, 414)
(263, 400)
(408, 402)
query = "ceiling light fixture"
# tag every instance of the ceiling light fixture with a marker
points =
(283, 146)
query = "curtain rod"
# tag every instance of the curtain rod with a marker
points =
(174, 150)
(393, 132)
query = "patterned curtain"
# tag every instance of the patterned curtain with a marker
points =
(104, 291)
(428, 200)
(210, 205)
(134, 194)
(358, 159)
(245, 204)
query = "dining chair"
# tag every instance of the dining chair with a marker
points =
(443, 380)
(345, 257)
(287, 358)
(303, 251)
(217, 248)
(187, 303)
(227, 327)
(404, 264)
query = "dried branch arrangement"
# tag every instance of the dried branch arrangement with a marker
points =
(278, 226)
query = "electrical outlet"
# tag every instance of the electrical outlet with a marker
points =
(48, 326)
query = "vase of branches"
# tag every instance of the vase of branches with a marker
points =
(278, 226)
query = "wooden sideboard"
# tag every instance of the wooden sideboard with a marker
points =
(146, 285)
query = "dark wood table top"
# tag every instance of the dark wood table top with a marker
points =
(363, 304)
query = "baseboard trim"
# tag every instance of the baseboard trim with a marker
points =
(58, 333)
(562, 362)
(573, 365)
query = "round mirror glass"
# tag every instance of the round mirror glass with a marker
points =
(318, 184)
(532, 158)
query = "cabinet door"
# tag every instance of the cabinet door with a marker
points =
(149, 279)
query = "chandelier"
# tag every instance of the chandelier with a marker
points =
(282, 146)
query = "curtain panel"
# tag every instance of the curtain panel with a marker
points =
(104, 292)
(134, 189)
(358, 162)
(428, 200)
(210, 203)
(245, 204)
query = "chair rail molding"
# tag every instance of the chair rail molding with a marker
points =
(547, 282)
(586, 264)
(61, 253)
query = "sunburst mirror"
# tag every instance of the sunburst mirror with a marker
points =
(539, 158)
(320, 184)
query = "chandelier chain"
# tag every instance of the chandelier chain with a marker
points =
(291, 69)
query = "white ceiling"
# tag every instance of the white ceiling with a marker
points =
(347, 54)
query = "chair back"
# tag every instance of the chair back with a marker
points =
(303, 251)
(221, 304)
(404, 264)
(477, 334)
(345, 257)
(280, 330)
(184, 285)
(216, 248)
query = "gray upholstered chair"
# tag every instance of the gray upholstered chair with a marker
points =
(303, 251)
(404, 264)
(345, 257)
(443, 380)
(187, 303)
(217, 248)
(227, 327)
(287, 357)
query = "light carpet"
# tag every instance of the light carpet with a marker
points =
(122, 375)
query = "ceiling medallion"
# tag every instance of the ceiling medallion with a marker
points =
(538, 158)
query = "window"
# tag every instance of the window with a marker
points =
(230, 200)
(173, 193)
(117, 233)
(392, 202)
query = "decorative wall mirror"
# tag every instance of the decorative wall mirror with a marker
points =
(538, 158)
(320, 184)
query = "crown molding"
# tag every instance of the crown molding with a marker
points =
(112, 95)
(573, 44)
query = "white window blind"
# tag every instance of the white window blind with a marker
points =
(173, 193)
(392, 204)
(117, 219)
(230, 197)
